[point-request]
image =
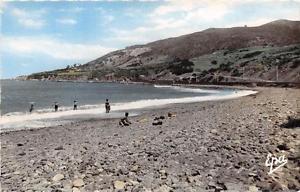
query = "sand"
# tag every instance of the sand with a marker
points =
(205, 146)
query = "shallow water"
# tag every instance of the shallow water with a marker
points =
(17, 95)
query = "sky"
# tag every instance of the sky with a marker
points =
(45, 35)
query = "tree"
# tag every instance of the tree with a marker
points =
(181, 67)
(214, 62)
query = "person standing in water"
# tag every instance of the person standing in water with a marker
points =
(75, 105)
(31, 107)
(107, 106)
(56, 106)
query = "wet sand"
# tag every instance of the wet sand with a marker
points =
(207, 146)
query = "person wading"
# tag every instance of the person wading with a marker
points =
(31, 107)
(55, 106)
(107, 106)
(75, 105)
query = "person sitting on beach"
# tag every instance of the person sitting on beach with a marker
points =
(107, 106)
(55, 106)
(124, 121)
(31, 107)
(75, 105)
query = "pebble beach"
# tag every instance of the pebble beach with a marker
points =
(205, 146)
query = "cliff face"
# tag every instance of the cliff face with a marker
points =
(207, 55)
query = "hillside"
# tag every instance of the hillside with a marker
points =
(211, 55)
(279, 33)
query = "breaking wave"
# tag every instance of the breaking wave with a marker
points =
(185, 89)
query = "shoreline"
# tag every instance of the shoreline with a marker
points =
(137, 107)
(173, 85)
(183, 83)
(207, 146)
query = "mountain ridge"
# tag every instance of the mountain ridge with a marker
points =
(172, 57)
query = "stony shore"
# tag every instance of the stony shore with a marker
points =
(207, 146)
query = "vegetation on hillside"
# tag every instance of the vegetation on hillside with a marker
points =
(267, 52)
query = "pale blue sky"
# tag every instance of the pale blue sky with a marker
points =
(38, 36)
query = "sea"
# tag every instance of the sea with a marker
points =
(17, 96)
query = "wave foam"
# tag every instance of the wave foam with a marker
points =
(185, 89)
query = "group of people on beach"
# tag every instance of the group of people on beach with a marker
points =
(75, 104)
(123, 122)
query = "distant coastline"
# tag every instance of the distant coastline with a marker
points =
(183, 82)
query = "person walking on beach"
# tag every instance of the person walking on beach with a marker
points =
(55, 106)
(107, 106)
(75, 105)
(31, 107)
(124, 121)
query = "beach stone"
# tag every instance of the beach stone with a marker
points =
(22, 154)
(75, 189)
(123, 171)
(214, 131)
(133, 182)
(253, 188)
(163, 172)
(212, 184)
(157, 122)
(67, 190)
(234, 186)
(135, 168)
(17, 173)
(59, 148)
(283, 147)
(67, 185)
(110, 145)
(163, 188)
(119, 185)
(78, 183)
(58, 177)
(277, 186)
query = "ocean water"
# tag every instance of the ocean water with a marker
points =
(16, 97)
